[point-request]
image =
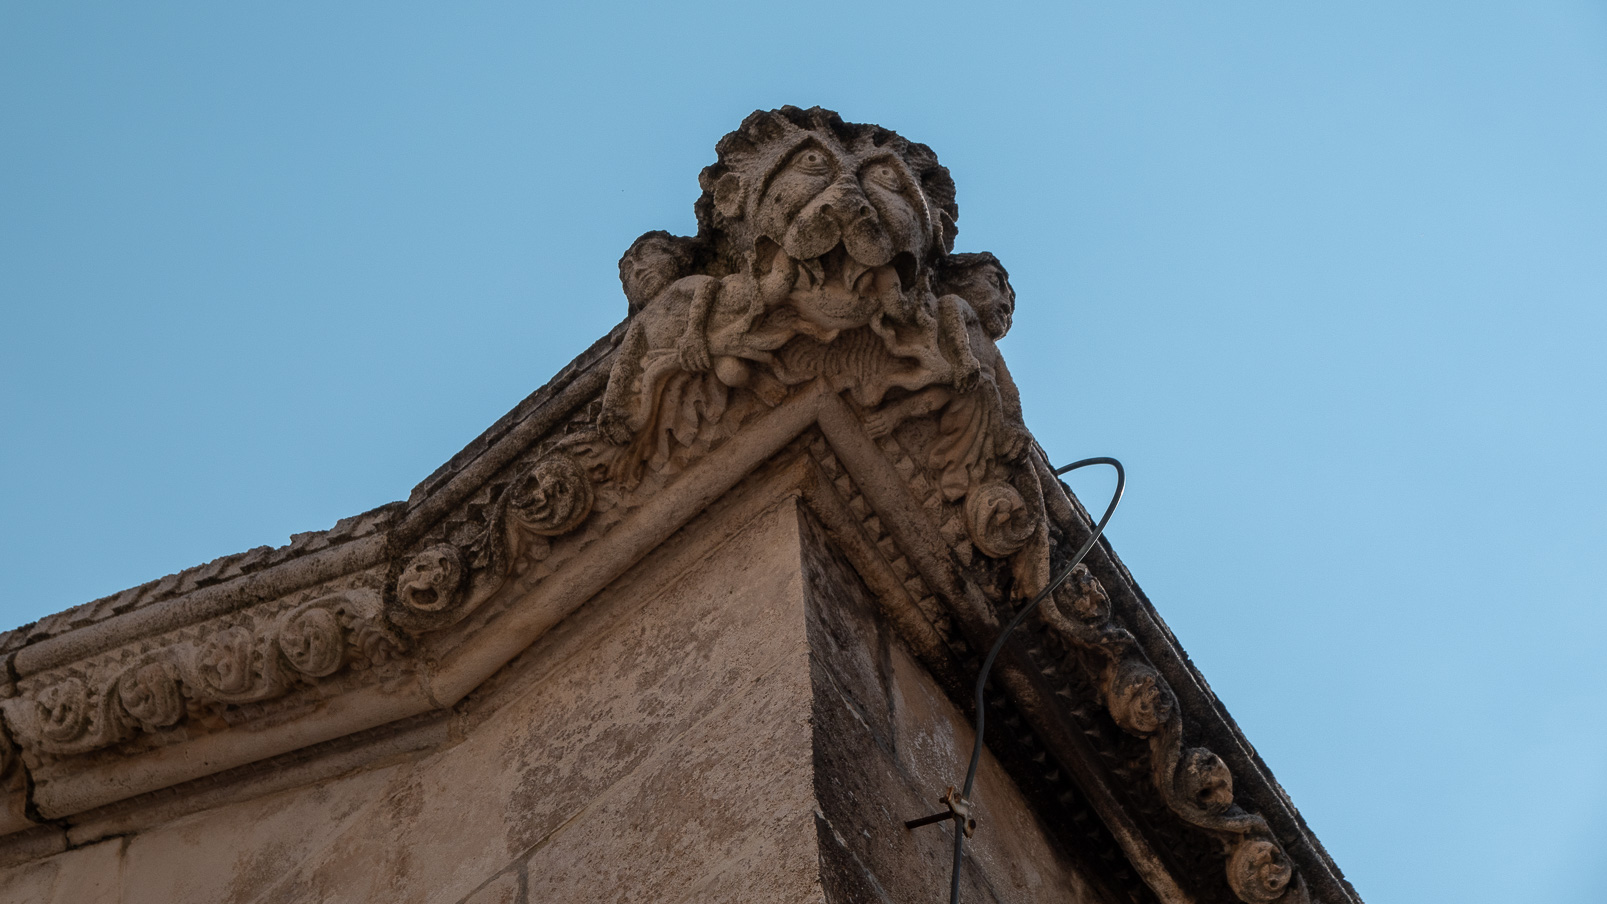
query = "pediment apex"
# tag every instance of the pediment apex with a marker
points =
(818, 338)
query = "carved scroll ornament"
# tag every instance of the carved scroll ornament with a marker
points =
(150, 694)
(999, 520)
(1194, 782)
(440, 584)
(92, 706)
(312, 641)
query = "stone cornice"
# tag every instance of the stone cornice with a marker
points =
(872, 509)
(863, 378)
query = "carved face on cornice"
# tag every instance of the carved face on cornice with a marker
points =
(431, 579)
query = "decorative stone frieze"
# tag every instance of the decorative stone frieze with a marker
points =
(442, 583)
(819, 323)
(155, 685)
(1193, 781)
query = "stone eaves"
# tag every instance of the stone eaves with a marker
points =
(884, 520)
(898, 428)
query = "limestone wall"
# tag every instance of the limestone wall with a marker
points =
(662, 758)
(732, 722)
(887, 743)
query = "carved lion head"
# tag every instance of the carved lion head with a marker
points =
(859, 210)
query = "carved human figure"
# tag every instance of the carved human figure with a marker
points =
(651, 264)
(697, 325)
(980, 424)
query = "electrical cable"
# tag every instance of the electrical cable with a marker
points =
(960, 809)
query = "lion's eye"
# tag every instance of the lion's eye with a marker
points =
(811, 161)
(884, 175)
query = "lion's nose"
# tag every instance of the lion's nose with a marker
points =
(849, 210)
(847, 207)
(847, 203)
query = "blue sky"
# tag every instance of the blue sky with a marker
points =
(1330, 278)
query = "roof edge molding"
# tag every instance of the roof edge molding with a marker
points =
(819, 332)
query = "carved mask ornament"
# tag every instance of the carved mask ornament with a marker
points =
(1259, 871)
(150, 694)
(223, 665)
(1138, 698)
(1086, 596)
(1205, 780)
(62, 710)
(312, 642)
(431, 580)
(998, 519)
(551, 498)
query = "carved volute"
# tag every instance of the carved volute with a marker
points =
(820, 339)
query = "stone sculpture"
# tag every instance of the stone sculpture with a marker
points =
(825, 253)
(820, 312)
(1193, 781)
(809, 228)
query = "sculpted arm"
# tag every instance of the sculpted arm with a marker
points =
(694, 344)
(614, 420)
(885, 419)
(956, 342)
(1013, 427)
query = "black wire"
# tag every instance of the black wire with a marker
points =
(998, 645)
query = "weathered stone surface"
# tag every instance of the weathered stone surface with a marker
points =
(580, 759)
(887, 742)
(505, 888)
(599, 656)
(90, 875)
(233, 854)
